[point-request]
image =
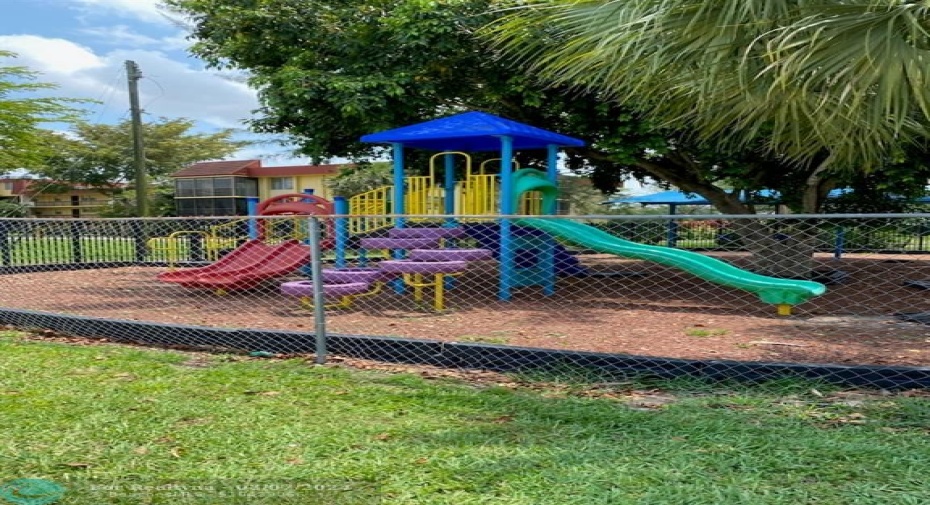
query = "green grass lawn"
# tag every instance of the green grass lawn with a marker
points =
(75, 414)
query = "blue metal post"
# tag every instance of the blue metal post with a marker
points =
(399, 207)
(341, 208)
(252, 209)
(507, 209)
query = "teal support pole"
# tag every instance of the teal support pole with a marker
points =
(552, 173)
(550, 208)
(507, 206)
(341, 208)
(449, 173)
(398, 206)
(252, 209)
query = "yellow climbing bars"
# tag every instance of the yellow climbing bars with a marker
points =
(369, 210)
(477, 195)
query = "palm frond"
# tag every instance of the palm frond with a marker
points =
(848, 77)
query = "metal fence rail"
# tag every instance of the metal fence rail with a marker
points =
(563, 293)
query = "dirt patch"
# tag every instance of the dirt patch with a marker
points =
(657, 312)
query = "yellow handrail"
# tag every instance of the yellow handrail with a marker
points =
(372, 206)
(516, 165)
(172, 245)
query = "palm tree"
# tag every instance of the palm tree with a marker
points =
(830, 85)
(838, 83)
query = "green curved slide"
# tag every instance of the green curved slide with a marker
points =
(770, 289)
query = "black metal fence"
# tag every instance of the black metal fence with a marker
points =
(621, 314)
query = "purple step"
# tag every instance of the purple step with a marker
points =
(423, 267)
(349, 275)
(435, 233)
(305, 288)
(400, 243)
(450, 254)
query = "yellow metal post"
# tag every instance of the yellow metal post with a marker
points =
(439, 301)
(784, 309)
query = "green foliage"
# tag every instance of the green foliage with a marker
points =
(361, 178)
(161, 203)
(328, 75)
(581, 196)
(23, 142)
(9, 208)
(835, 82)
(101, 155)
(331, 72)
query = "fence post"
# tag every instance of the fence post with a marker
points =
(319, 302)
(77, 251)
(921, 231)
(196, 247)
(840, 243)
(138, 236)
(5, 243)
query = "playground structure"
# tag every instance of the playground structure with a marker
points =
(427, 255)
(259, 258)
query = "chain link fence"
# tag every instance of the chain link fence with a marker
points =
(667, 296)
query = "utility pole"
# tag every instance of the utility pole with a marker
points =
(133, 74)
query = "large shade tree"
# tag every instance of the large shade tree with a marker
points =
(830, 86)
(23, 116)
(101, 155)
(329, 72)
(824, 91)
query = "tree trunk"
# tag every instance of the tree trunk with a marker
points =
(779, 247)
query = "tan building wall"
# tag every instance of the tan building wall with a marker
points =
(297, 184)
(75, 203)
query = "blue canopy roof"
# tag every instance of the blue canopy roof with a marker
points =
(471, 131)
(680, 198)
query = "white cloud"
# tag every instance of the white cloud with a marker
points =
(169, 88)
(143, 10)
(50, 55)
(126, 36)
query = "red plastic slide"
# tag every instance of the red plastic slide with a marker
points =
(244, 267)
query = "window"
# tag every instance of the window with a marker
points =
(184, 187)
(208, 206)
(282, 183)
(204, 187)
(223, 187)
(246, 187)
(186, 208)
(8, 186)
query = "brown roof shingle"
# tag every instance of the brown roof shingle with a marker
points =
(254, 168)
(211, 168)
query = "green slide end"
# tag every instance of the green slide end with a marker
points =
(769, 289)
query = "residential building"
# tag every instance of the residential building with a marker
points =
(221, 188)
(44, 198)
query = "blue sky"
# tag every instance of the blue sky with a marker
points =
(81, 45)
